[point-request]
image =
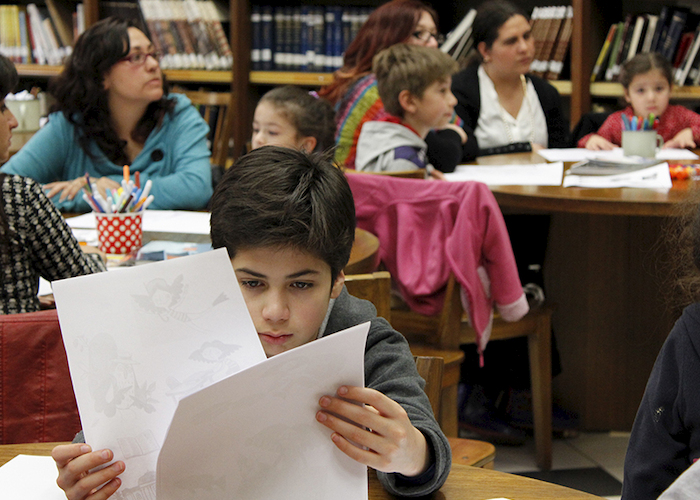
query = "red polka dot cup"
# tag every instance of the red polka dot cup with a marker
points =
(120, 233)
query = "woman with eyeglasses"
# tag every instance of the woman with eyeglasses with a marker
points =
(354, 88)
(503, 107)
(113, 109)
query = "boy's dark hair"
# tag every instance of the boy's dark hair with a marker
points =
(490, 16)
(281, 197)
(310, 115)
(643, 63)
(8, 76)
(409, 67)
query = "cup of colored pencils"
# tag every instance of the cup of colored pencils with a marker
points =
(119, 214)
(639, 137)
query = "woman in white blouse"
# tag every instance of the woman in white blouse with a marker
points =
(505, 109)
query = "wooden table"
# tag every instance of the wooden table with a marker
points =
(464, 481)
(604, 272)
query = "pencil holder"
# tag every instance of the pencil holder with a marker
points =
(645, 143)
(120, 233)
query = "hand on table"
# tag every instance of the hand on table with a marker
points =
(383, 427)
(598, 143)
(69, 189)
(74, 463)
(683, 139)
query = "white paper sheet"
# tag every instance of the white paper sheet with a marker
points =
(580, 154)
(27, 477)
(157, 221)
(656, 177)
(539, 174)
(141, 339)
(254, 435)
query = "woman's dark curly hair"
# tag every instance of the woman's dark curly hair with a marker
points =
(82, 98)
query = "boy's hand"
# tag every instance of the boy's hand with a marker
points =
(382, 427)
(74, 462)
(683, 139)
(598, 143)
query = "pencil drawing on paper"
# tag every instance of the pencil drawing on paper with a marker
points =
(218, 364)
(168, 300)
(113, 382)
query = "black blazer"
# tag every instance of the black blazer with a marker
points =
(465, 87)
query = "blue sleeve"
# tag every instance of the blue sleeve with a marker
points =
(44, 156)
(188, 186)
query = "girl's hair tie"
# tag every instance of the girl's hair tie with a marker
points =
(313, 93)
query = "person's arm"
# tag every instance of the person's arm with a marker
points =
(187, 185)
(557, 126)
(43, 157)
(55, 253)
(465, 87)
(445, 148)
(660, 446)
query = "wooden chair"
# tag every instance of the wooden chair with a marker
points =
(450, 329)
(407, 174)
(215, 108)
(464, 451)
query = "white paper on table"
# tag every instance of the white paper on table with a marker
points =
(656, 177)
(141, 339)
(157, 221)
(580, 154)
(538, 174)
(254, 435)
(28, 477)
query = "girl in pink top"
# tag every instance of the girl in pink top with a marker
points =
(647, 81)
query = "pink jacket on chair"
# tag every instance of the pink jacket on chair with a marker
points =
(430, 229)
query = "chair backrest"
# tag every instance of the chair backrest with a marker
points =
(37, 403)
(420, 173)
(430, 369)
(215, 107)
(375, 287)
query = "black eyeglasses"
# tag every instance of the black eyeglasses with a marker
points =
(425, 35)
(139, 58)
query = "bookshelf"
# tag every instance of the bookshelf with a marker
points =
(590, 23)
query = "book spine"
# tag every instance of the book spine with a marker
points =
(255, 20)
(675, 30)
(266, 57)
(279, 58)
(328, 51)
(557, 62)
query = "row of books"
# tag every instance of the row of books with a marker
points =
(551, 31)
(303, 38)
(32, 34)
(188, 33)
(673, 33)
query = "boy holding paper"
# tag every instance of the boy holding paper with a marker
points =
(287, 219)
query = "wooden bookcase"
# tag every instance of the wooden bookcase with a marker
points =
(591, 21)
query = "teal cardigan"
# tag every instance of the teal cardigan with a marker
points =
(175, 157)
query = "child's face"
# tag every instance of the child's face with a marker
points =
(287, 293)
(648, 93)
(271, 128)
(435, 107)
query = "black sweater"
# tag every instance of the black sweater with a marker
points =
(465, 87)
(665, 438)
